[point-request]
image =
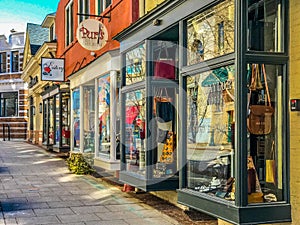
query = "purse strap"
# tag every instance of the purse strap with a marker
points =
(266, 84)
(163, 46)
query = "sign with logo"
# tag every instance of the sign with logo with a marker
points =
(53, 69)
(92, 34)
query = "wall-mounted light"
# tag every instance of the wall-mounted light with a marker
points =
(41, 107)
(157, 22)
(94, 54)
(33, 110)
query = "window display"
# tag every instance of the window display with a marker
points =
(65, 119)
(211, 33)
(57, 116)
(135, 131)
(210, 137)
(89, 119)
(76, 117)
(265, 25)
(136, 65)
(164, 124)
(264, 133)
(104, 116)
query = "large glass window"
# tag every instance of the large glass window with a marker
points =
(57, 120)
(3, 62)
(89, 119)
(265, 133)
(69, 23)
(65, 119)
(135, 131)
(76, 117)
(211, 33)
(104, 116)
(51, 120)
(136, 65)
(210, 125)
(102, 5)
(265, 28)
(15, 61)
(8, 104)
(83, 8)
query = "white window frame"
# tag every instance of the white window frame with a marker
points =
(100, 6)
(69, 23)
(83, 8)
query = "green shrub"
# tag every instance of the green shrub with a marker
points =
(78, 165)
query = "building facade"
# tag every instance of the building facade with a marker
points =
(93, 74)
(13, 91)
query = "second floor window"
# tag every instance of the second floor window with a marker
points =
(102, 5)
(3, 62)
(83, 8)
(8, 104)
(15, 62)
(69, 26)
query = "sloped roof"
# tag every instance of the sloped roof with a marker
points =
(37, 36)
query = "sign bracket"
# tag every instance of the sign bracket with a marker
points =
(107, 17)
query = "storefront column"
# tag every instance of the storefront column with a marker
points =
(96, 136)
(113, 110)
(81, 144)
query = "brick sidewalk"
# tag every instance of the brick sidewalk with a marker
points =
(37, 188)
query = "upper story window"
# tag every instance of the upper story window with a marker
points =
(52, 32)
(3, 62)
(8, 104)
(14, 61)
(102, 5)
(83, 8)
(69, 26)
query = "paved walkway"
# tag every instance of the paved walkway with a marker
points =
(37, 188)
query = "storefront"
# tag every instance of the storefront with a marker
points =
(222, 138)
(94, 121)
(56, 117)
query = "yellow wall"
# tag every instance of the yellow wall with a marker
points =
(294, 75)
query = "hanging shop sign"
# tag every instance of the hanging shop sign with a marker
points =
(92, 34)
(53, 69)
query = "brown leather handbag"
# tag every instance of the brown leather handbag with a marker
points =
(259, 121)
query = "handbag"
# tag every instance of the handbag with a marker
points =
(259, 121)
(66, 133)
(167, 155)
(271, 167)
(163, 106)
(255, 194)
(164, 67)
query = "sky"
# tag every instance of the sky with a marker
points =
(15, 14)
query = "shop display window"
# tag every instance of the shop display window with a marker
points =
(65, 119)
(104, 116)
(135, 64)
(211, 33)
(51, 121)
(163, 130)
(265, 120)
(265, 25)
(76, 118)
(135, 131)
(210, 135)
(89, 119)
(57, 120)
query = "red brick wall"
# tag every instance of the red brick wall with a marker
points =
(123, 13)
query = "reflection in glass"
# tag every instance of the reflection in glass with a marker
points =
(57, 115)
(89, 119)
(136, 64)
(164, 130)
(265, 154)
(210, 133)
(135, 131)
(104, 116)
(65, 119)
(51, 121)
(211, 33)
(76, 118)
(265, 25)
